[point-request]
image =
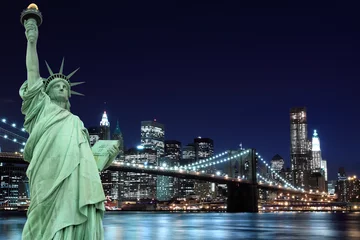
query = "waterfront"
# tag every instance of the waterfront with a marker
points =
(198, 226)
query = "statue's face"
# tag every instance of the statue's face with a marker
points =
(31, 29)
(59, 91)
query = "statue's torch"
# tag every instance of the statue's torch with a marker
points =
(32, 11)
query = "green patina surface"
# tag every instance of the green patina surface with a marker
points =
(67, 198)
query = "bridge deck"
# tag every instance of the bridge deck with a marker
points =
(179, 173)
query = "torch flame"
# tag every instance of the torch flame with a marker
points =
(33, 6)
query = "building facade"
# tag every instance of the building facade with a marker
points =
(14, 186)
(168, 187)
(315, 163)
(137, 186)
(204, 148)
(278, 165)
(300, 153)
(153, 136)
(324, 167)
(341, 188)
(104, 127)
(186, 186)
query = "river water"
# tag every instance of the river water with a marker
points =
(211, 226)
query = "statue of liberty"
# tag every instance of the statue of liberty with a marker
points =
(67, 198)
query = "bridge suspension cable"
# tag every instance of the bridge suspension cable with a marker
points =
(14, 135)
(217, 159)
(276, 174)
(9, 135)
(14, 140)
(13, 125)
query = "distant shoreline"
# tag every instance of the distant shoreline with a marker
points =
(4, 213)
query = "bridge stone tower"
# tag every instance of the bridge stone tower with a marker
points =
(244, 197)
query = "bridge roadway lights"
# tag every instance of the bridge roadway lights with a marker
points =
(242, 198)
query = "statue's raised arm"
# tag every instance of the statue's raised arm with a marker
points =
(31, 19)
(32, 61)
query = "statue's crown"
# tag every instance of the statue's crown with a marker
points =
(63, 77)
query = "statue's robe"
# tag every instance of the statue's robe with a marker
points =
(67, 198)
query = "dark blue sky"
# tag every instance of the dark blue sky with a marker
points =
(229, 71)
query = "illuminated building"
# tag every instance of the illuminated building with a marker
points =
(204, 148)
(324, 167)
(353, 189)
(341, 189)
(167, 187)
(112, 180)
(299, 150)
(152, 136)
(188, 154)
(317, 180)
(277, 164)
(315, 163)
(109, 179)
(186, 186)
(331, 187)
(104, 127)
(101, 132)
(288, 174)
(14, 186)
(138, 186)
(347, 187)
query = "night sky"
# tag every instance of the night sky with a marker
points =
(229, 71)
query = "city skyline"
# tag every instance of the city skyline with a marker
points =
(287, 163)
(229, 72)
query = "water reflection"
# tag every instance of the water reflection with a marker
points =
(164, 226)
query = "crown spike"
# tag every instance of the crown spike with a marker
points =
(62, 66)
(49, 69)
(70, 75)
(76, 93)
(76, 83)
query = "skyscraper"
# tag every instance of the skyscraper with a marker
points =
(315, 163)
(152, 136)
(299, 151)
(277, 164)
(188, 154)
(186, 186)
(324, 167)
(167, 187)
(109, 179)
(139, 185)
(104, 127)
(204, 148)
(115, 178)
(341, 188)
